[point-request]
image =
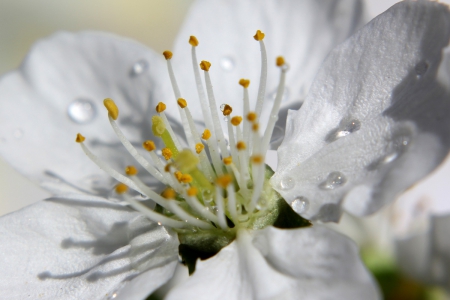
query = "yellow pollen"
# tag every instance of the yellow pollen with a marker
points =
(251, 116)
(241, 145)
(259, 36)
(149, 145)
(257, 159)
(236, 120)
(224, 181)
(160, 107)
(205, 65)
(227, 110)
(131, 170)
(255, 127)
(228, 160)
(206, 134)
(193, 41)
(158, 126)
(113, 111)
(244, 82)
(280, 61)
(121, 188)
(167, 153)
(178, 175)
(186, 178)
(199, 148)
(193, 191)
(169, 193)
(167, 54)
(79, 138)
(182, 103)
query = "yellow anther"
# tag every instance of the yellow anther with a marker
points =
(186, 161)
(192, 191)
(131, 170)
(113, 111)
(186, 178)
(205, 65)
(158, 126)
(228, 160)
(244, 82)
(79, 138)
(167, 54)
(178, 175)
(257, 159)
(241, 145)
(167, 167)
(224, 181)
(121, 188)
(193, 41)
(280, 61)
(227, 110)
(160, 107)
(236, 120)
(182, 102)
(206, 134)
(259, 36)
(167, 153)
(199, 148)
(251, 116)
(169, 193)
(149, 145)
(255, 127)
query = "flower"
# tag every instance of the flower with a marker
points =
(115, 250)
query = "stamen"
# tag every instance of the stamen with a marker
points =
(276, 105)
(121, 188)
(232, 204)
(113, 111)
(182, 102)
(199, 148)
(160, 108)
(206, 134)
(235, 121)
(178, 175)
(251, 117)
(159, 130)
(167, 153)
(245, 83)
(220, 209)
(186, 178)
(80, 138)
(131, 170)
(227, 160)
(169, 193)
(231, 138)
(259, 36)
(173, 207)
(149, 145)
(167, 54)
(193, 41)
(227, 110)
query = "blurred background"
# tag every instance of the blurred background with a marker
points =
(152, 22)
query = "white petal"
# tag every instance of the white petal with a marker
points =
(36, 131)
(374, 121)
(308, 263)
(302, 31)
(82, 250)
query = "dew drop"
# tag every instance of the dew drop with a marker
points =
(18, 133)
(225, 119)
(227, 63)
(287, 183)
(159, 223)
(222, 107)
(300, 205)
(400, 141)
(207, 195)
(421, 68)
(81, 111)
(139, 67)
(271, 96)
(345, 127)
(334, 180)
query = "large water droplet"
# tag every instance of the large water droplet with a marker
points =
(345, 127)
(334, 180)
(81, 111)
(400, 141)
(300, 205)
(225, 119)
(287, 183)
(18, 133)
(139, 67)
(227, 63)
(421, 68)
(272, 95)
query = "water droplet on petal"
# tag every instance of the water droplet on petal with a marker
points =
(334, 180)
(287, 183)
(18, 133)
(345, 127)
(227, 63)
(271, 96)
(81, 111)
(300, 205)
(139, 67)
(421, 68)
(400, 141)
(159, 223)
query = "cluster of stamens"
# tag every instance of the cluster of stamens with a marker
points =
(218, 190)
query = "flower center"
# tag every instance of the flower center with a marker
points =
(212, 189)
